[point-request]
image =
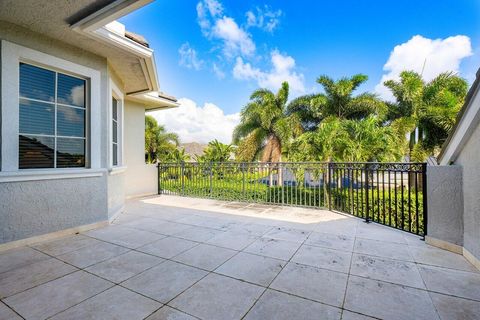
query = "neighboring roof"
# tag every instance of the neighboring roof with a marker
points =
(137, 38)
(467, 119)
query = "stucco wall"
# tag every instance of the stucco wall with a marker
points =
(116, 193)
(29, 39)
(140, 179)
(469, 159)
(445, 203)
(30, 208)
(33, 208)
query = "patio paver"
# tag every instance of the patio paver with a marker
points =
(218, 297)
(168, 313)
(165, 281)
(388, 301)
(116, 303)
(252, 268)
(205, 256)
(53, 297)
(125, 266)
(180, 258)
(312, 283)
(282, 306)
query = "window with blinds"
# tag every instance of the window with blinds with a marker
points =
(52, 119)
(114, 132)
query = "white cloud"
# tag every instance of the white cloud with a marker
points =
(218, 72)
(283, 69)
(215, 25)
(266, 18)
(194, 123)
(432, 55)
(189, 58)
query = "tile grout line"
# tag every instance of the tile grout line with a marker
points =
(348, 275)
(268, 286)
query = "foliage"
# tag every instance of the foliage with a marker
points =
(265, 127)
(177, 155)
(216, 152)
(427, 111)
(158, 142)
(348, 140)
(337, 101)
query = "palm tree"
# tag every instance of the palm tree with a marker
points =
(338, 100)
(425, 111)
(158, 142)
(348, 140)
(265, 127)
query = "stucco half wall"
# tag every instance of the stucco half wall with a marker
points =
(32, 208)
(445, 207)
(140, 178)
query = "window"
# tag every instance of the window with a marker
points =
(52, 119)
(115, 129)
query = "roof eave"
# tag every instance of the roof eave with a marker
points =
(152, 102)
(94, 26)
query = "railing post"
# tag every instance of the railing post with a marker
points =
(242, 166)
(425, 202)
(182, 170)
(329, 186)
(367, 204)
(211, 179)
(159, 187)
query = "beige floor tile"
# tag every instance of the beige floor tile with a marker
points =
(312, 283)
(125, 266)
(168, 247)
(91, 255)
(252, 268)
(282, 306)
(218, 298)
(205, 256)
(116, 303)
(164, 281)
(55, 296)
(323, 258)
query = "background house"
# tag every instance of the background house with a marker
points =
(74, 89)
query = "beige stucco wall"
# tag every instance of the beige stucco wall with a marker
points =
(140, 179)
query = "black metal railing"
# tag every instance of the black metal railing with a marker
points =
(387, 193)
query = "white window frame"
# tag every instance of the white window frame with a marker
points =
(116, 94)
(12, 55)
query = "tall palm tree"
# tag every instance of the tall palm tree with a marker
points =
(265, 127)
(338, 100)
(425, 111)
(158, 142)
(348, 140)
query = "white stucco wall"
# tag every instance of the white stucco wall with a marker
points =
(141, 179)
(31, 208)
(469, 159)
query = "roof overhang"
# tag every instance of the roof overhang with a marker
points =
(96, 24)
(467, 120)
(154, 100)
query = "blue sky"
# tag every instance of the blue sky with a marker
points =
(213, 54)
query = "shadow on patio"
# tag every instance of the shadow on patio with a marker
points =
(183, 258)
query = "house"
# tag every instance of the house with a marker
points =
(74, 89)
(454, 185)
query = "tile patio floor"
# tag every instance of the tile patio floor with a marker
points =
(183, 258)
